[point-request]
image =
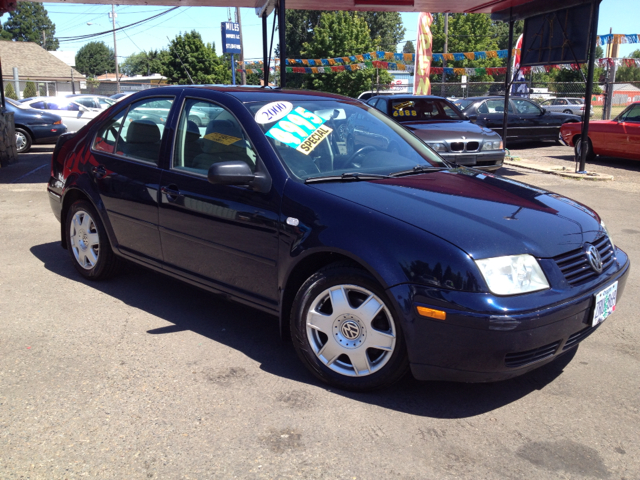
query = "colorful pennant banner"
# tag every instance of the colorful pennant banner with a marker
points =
(617, 39)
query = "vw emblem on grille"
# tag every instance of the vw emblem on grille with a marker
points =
(350, 330)
(595, 260)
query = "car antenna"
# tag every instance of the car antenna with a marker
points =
(183, 65)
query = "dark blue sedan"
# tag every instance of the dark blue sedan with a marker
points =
(34, 126)
(377, 258)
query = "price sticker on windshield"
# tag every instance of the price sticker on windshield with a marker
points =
(301, 130)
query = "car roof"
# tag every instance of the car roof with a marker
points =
(412, 97)
(248, 94)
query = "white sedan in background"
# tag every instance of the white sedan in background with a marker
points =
(74, 115)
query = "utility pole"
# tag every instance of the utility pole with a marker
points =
(243, 74)
(44, 39)
(446, 50)
(610, 80)
(115, 46)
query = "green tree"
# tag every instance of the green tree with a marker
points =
(386, 29)
(501, 33)
(341, 34)
(10, 92)
(145, 63)
(629, 74)
(29, 22)
(95, 58)
(408, 47)
(4, 35)
(30, 90)
(188, 52)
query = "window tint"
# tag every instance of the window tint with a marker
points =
(526, 107)
(632, 115)
(139, 135)
(108, 135)
(493, 106)
(38, 105)
(382, 105)
(575, 101)
(561, 101)
(208, 133)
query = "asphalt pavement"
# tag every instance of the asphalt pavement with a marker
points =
(143, 376)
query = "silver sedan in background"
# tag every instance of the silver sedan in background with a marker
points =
(570, 105)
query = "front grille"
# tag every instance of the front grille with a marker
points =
(519, 359)
(464, 147)
(577, 337)
(575, 265)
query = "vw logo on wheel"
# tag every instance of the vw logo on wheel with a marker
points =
(350, 330)
(595, 260)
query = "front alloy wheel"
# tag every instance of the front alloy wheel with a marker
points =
(344, 331)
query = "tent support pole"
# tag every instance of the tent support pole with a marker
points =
(507, 84)
(584, 138)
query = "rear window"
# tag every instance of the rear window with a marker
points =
(423, 109)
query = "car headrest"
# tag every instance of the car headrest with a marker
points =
(225, 127)
(143, 131)
(193, 132)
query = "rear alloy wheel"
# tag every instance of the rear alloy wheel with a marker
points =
(23, 140)
(568, 111)
(87, 242)
(344, 331)
(578, 149)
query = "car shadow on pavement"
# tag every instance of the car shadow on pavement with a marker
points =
(256, 335)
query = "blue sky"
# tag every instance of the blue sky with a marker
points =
(72, 19)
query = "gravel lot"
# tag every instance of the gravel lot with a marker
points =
(145, 377)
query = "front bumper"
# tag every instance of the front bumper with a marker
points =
(487, 338)
(488, 160)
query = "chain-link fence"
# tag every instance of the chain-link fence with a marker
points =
(111, 88)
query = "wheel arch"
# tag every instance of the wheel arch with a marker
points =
(302, 270)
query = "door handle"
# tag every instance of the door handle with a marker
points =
(171, 192)
(99, 171)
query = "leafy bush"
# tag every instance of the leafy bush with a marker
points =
(30, 90)
(9, 92)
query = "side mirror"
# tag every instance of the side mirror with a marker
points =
(544, 110)
(472, 118)
(238, 173)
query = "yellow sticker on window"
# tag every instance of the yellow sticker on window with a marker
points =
(221, 138)
(402, 105)
(314, 139)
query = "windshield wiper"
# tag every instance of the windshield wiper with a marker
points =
(346, 176)
(417, 169)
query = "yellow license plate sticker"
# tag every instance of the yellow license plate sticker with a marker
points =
(221, 138)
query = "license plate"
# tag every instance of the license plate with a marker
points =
(605, 304)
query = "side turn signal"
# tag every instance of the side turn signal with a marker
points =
(430, 312)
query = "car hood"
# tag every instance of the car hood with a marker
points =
(483, 214)
(449, 130)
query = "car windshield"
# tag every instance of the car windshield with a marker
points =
(323, 138)
(404, 110)
(463, 103)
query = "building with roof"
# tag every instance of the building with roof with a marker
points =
(34, 64)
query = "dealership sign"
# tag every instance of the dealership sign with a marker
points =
(231, 38)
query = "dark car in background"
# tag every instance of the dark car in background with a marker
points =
(526, 120)
(375, 261)
(440, 124)
(34, 126)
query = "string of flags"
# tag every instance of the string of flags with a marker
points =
(619, 62)
(378, 59)
(617, 39)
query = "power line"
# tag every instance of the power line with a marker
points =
(107, 32)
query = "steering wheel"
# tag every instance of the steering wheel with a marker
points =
(351, 160)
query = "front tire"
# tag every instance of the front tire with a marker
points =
(590, 156)
(23, 140)
(87, 242)
(344, 331)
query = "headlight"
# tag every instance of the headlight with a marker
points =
(492, 146)
(512, 274)
(607, 232)
(438, 147)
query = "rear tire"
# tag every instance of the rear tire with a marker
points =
(87, 242)
(344, 331)
(23, 140)
(568, 111)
